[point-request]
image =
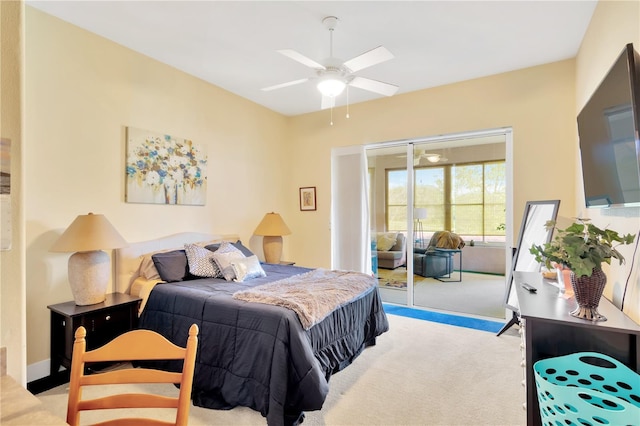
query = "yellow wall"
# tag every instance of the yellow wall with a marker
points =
(613, 25)
(12, 296)
(538, 102)
(82, 91)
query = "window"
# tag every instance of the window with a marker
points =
(396, 208)
(468, 199)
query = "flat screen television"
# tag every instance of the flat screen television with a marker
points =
(608, 128)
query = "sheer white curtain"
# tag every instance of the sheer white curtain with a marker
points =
(350, 230)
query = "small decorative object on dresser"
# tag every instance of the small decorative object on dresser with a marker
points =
(308, 198)
(583, 248)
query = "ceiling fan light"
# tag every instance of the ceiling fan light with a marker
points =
(433, 158)
(331, 87)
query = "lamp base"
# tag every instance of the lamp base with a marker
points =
(272, 247)
(89, 276)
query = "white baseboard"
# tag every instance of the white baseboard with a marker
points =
(38, 370)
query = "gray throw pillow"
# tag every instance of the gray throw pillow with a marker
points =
(172, 266)
(238, 244)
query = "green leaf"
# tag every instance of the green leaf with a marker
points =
(581, 247)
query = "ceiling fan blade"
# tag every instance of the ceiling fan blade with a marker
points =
(328, 102)
(375, 86)
(299, 57)
(367, 59)
(280, 86)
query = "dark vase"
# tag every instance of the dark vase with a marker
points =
(588, 291)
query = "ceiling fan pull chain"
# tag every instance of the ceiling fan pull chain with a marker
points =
(347, 101)
(331, 122)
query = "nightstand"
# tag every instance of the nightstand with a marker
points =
(103, 321)
(287, 262)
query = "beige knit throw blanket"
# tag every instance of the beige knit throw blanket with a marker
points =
(312, 295)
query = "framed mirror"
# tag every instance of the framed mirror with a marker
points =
(532, 231)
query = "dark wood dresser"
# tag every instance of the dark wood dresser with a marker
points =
(548, 330)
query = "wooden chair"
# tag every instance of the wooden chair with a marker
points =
(131, 346)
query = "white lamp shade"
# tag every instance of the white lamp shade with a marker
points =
(419, 213)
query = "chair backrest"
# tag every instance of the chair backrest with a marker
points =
(136, 345)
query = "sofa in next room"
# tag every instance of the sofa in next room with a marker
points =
(391, 248)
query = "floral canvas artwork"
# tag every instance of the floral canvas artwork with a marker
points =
(163, 169)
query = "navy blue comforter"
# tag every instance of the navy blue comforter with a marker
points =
(258, 355)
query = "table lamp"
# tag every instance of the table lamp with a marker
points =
(272, 228)
(89, 266)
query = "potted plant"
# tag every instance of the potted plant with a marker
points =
(583, 248)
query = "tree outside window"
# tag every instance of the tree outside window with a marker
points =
(468, 199)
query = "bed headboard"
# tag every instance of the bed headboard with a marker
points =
(127, 260)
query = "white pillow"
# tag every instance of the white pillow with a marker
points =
(247, 268)
(223, 261)
(386, 240)
(200, 260)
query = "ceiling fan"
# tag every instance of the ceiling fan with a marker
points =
(431, 157)
(335, 75)
(422, 154)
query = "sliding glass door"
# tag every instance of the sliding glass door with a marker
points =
(447, 186)
(460, 192)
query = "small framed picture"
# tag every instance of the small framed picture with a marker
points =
(308, 198)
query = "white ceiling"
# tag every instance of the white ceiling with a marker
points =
(233, 44)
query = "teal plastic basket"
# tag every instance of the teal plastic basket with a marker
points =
(587, 388)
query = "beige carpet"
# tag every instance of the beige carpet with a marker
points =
(477, 294)
(419, 373)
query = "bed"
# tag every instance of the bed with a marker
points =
(273, 357)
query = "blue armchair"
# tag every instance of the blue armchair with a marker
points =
(434, 263)
(431, 263)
